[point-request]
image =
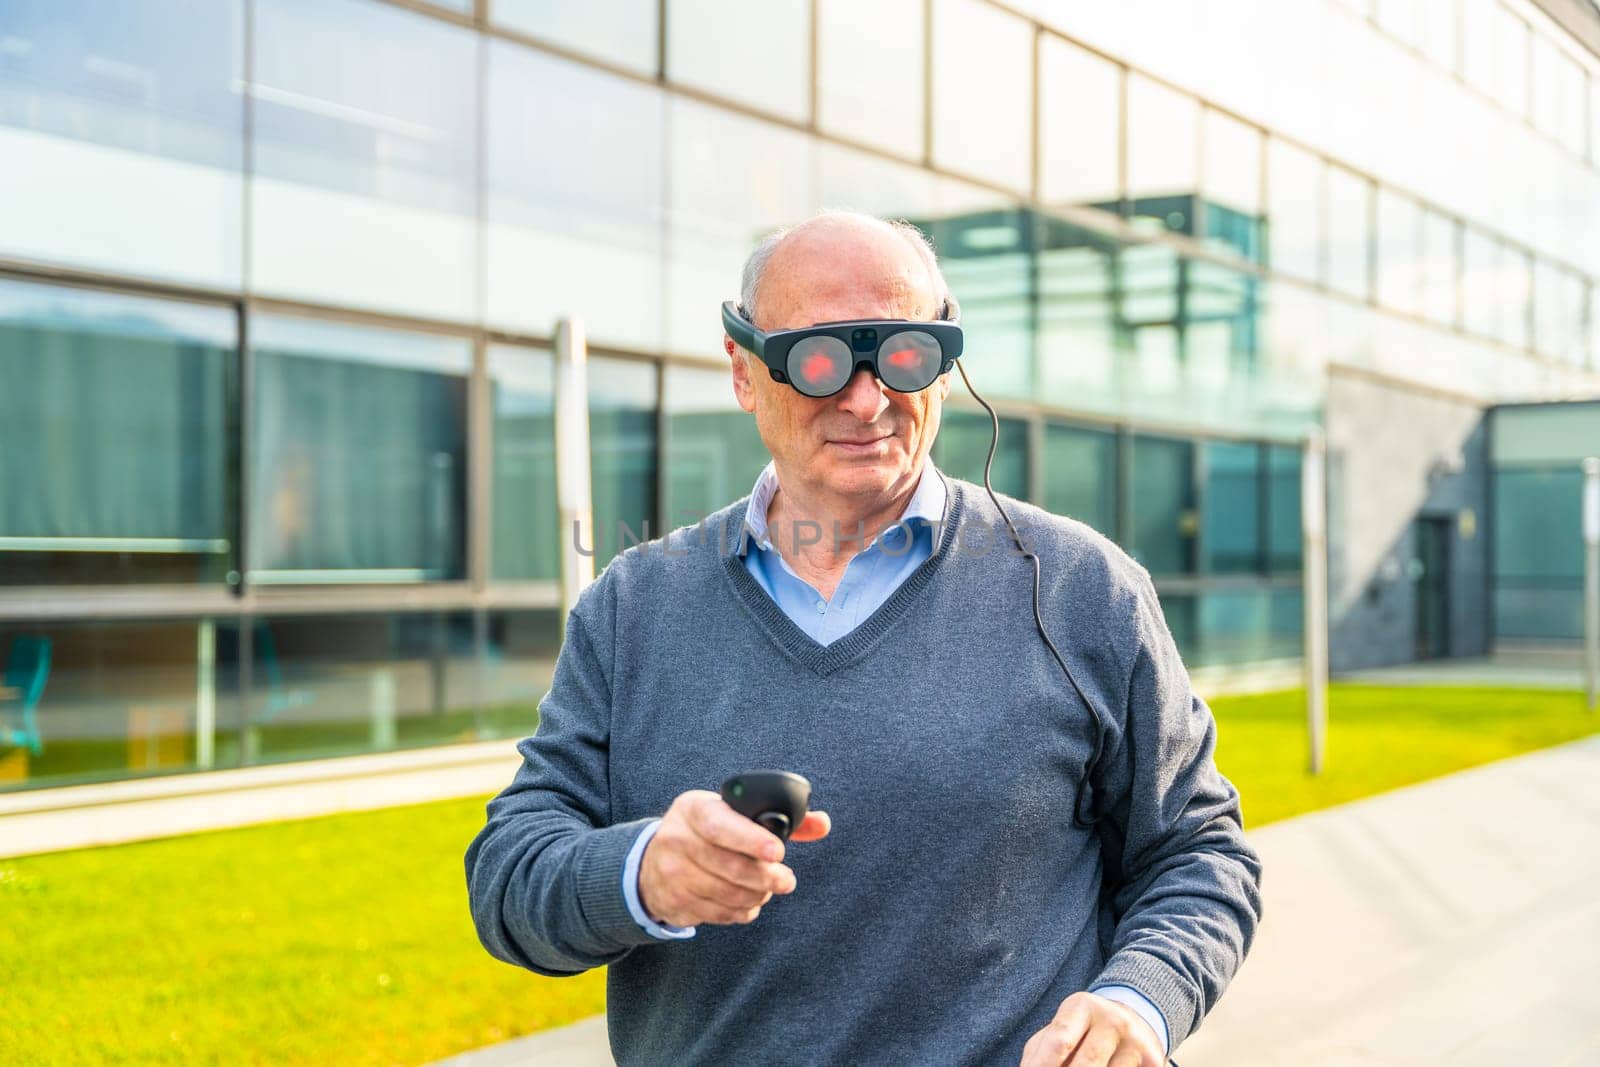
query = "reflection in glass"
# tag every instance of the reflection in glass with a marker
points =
(755, 54)
(358, 457)
(869, 73)
(114, 440)
(1480, 283)
(1232, 185)
(1284, 541)
(618, 31)
(1511, 61)
(985, 256)
(1349, 200)
(1538, 552)
(1080, 475)
(1080, 126)
(526, 541)
(1516, 291)
(364, 120)
(1162, 131)
(1399, 230)
(983, 111)
(1438, 262)
(107, 700)
(622, 456)
(574, 199)
(1294, 210)
(1478, 29)
(1163, 491)
(1232, 507)
(713, 450)
(122, 130)
(1081, 340)
(963, 445)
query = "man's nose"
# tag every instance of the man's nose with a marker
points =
(863, 395)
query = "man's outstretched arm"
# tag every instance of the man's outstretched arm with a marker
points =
(545, 874)
(1189, 899)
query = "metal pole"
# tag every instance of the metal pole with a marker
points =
(1314, 555)
(1591, 579)
(574, 496)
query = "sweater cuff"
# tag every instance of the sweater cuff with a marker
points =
(1160, 984)
(600, 895)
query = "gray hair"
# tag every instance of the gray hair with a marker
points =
(755, 267)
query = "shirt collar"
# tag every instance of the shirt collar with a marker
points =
(927, 503)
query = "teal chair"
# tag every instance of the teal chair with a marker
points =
(27, 667)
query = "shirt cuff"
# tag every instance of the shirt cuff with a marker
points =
(630, 891)
(1141, 1004)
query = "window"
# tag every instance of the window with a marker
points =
(1516, 291)
(870, 73)
(114, 441)
(1080, 475)
(963, 445)
(1162, 130)
(713, 450)
(1080, 122)
(1479, 24)
(1232, 507)
(1294, 210)
(526, 541)
(756, 54)
(1163, 491)
(1480, 283)
(1438, 262)
(1399, 232)
(1232, 185)
(1349, 198)
(365, 152)
(122, 130)
(1284, 538)
(623, 32)
(358, 469)
(622, 451)
(1511, 61)
(575, 199)
(983, 111)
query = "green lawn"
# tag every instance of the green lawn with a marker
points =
(347, 940)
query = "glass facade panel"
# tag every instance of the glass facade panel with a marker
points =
(1480, 283)
(1538, 552)
(1080, 475)
(623, 32)
(122, 132)
(713, 450)
(1285, 550)
(1511, 41)
(358, 453)
(1349, 230)
(1081, 342)
(106, 700)
(1232, 507)
(755, 54)
(622, 456)
(526, 541)
(1163, 127)
(1437, 29)
(1438, 262)
(987, 261)
(983, 112)
(1164, 516)
(1232, 185)
(1295, 198)
(1080, 127)
(963, 445)
(1399, 234)
(870, 73)
(574, 199)
(114, 438)
(1516, 292)
(1478, 28)
(364, 152)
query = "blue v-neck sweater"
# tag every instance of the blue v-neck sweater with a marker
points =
(957, 901)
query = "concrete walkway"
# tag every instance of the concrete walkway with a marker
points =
(1514, 668)
(1456, 921)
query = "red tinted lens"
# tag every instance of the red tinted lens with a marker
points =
(909, 360)
(819, 366)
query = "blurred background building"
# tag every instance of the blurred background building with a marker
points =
(279, 281)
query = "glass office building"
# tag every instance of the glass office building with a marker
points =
(279, 281)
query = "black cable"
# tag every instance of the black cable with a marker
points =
(1094, 762)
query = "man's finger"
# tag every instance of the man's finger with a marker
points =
(738, 868)
(813, 827)
(1051, 1046)
(719, 824)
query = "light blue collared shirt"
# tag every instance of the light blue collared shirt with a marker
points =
(870, 578)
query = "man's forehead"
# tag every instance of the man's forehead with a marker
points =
(845, 269)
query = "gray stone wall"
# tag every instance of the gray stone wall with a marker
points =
(1396, 454)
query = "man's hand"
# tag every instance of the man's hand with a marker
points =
(709, 864)
(1092, 1031)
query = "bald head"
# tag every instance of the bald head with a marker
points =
(839, 258)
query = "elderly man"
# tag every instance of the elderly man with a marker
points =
(852, 620)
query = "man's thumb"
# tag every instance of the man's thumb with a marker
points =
(814, 826)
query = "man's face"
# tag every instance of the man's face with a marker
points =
(867, 441)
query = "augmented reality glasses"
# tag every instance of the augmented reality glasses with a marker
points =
(819, 360)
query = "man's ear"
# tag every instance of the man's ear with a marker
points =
(944, 386)
(744, 389)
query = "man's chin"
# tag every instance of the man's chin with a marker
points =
(865, 478)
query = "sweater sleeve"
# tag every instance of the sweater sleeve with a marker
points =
(1189, 898)
(544, 875)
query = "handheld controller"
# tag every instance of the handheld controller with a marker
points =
(775, 799)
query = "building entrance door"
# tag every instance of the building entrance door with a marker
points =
(1433, 587)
